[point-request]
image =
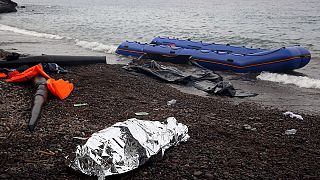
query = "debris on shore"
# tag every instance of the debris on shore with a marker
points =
(220, 147)
(127, 145)
(229, 141)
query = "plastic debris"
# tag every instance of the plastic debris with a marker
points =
(247, 127)
(141, 114)
(127, 145)
(171, 102)
(81, 138)
(291, 132)
(80, 104)
(292, 115)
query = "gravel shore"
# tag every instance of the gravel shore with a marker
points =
(227, 140)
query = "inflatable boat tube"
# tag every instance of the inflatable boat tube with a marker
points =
(223, 57)
(61, 60)
(199, 45)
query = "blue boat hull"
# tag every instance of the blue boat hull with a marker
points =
(222, 57)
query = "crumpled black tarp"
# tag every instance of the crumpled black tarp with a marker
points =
(47, 67)
(196, 76)
(53, 67)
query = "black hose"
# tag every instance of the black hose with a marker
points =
(61, 60)
(40, 98)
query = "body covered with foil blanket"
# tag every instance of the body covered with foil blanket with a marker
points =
(126, 145)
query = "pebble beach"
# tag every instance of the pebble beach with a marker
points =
(230, 138)
(227, 140)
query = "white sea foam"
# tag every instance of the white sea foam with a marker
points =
(28, 32)
(96, 46)
(300, 81)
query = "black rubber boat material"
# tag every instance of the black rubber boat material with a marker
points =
(200, 78)
(40, 98)
(61, 60)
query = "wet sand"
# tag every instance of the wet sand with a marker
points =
(220, 145)
(286, 97)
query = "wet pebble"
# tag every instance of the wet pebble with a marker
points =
(4, 176)
(208, 176)
(197, 173)
(246, 127)
(290, 131)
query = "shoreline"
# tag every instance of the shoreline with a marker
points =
(220, 145)
(31, 45)
(271, 94)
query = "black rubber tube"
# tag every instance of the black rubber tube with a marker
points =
(40, 98)
(61, 60)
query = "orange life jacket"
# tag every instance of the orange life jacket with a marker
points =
(59, 88)
(28, 74)
(3, 75)
(13, 73)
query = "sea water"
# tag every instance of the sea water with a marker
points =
(101, 25)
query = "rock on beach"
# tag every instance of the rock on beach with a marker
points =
(7, 6)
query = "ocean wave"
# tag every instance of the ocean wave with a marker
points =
(28, 32)
(299, 81)
(96, 46)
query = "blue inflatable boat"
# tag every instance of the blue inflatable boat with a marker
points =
(221, 57)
